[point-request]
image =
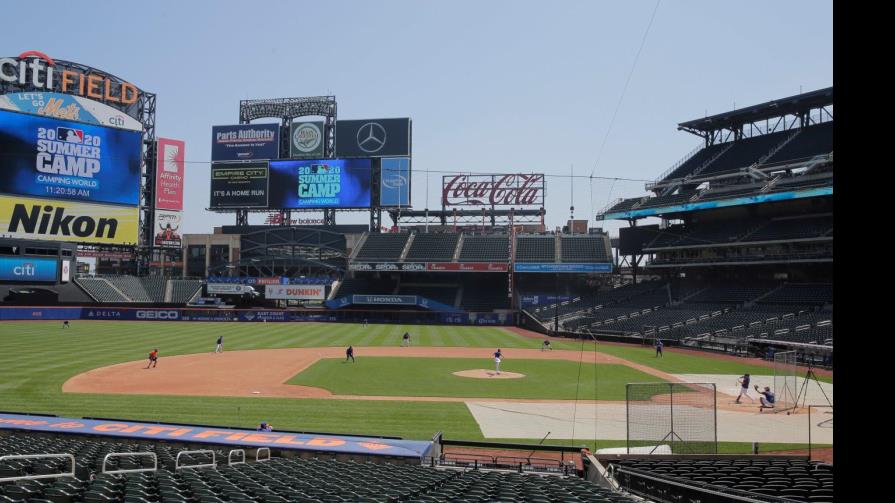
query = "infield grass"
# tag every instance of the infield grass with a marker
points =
(544, 379)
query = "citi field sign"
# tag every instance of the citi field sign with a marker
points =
(35, 71)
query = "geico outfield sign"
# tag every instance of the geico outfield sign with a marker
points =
(27, 218)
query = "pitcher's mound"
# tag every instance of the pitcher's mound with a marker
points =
(488, 374)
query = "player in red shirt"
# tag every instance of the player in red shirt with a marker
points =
(153, 358)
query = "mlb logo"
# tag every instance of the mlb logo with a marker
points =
(70, 135)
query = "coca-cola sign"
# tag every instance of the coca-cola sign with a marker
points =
(493, 190)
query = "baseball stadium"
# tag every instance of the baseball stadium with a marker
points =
(675, 345)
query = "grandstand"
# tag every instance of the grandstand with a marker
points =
(754, 479)
(138, 290)
(152, 471)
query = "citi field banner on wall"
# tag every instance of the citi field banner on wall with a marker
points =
(306, 140)
(169, 174)
(167, 228)
(68, 160)
(28, 218)
(37, 72)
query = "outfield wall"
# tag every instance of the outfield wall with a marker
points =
(18, 313)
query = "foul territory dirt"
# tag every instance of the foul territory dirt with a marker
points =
(264, 372)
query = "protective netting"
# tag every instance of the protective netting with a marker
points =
(682, 416)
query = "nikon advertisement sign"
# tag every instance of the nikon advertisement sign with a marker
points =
(27, 218)
(306, 140)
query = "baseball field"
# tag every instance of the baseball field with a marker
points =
(295, 376)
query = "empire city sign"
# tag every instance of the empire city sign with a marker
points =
(493, 190)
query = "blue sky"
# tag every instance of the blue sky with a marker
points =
(494, 86)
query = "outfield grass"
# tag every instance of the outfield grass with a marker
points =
(395, 376)
(36, 358)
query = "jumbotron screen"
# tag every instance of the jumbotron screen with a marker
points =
(59, 159)
(327, 183)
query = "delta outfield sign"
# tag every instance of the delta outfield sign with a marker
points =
(35, 70)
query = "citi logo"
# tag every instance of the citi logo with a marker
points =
(36, 69)
(52, 221)
(25, 270)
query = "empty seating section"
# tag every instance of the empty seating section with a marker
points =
(746, 152)
(795, 480)
(484, 296)
(793, 228)
(438, 293)
(801, 294)
(383, 247)
(668, 200)
(279, 480)
(624, 204)
(184, 289)
(359, 286)
(147, 289)
(584, 249)
(735, 294)
(101, 290)
(812, 141)
(132, 287)
(535, 249)
(697, 160)
(433, 247)
(485, 249)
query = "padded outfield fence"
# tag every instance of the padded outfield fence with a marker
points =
(672, 418)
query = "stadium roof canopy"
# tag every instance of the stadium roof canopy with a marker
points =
(793, 105)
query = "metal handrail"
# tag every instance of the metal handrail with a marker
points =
(230, 457)
(257, 452)
(201, 465)
(131, 470)
(39, 456)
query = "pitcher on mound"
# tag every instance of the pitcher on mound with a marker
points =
(497, 355)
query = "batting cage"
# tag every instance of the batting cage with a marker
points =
(786, 379)
(677, 417)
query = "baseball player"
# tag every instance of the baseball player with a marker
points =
(767, 398)
(659, 347)
(153, 358)
(349, 353)
(406, 341)
(744, 388)
(497, 356)
(220, 346)
(546, 345)
(65, 324)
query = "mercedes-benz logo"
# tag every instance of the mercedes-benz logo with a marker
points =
(371, 137)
